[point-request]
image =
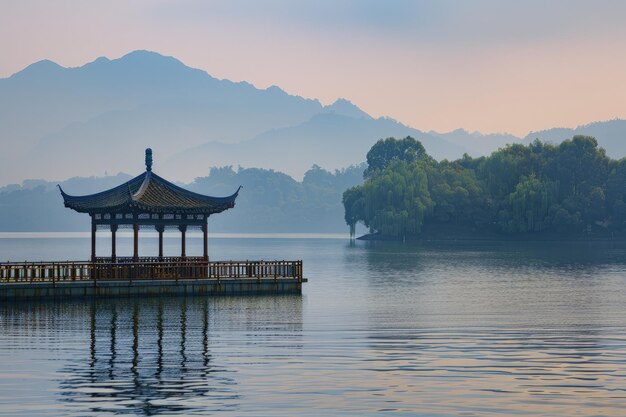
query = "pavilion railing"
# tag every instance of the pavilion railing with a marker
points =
(148, 259)
(181, 268)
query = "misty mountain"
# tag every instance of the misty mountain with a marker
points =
(478, 144)
(85, 120)
(344, 107)
(329, 139)
(611, 135)
(58, 122)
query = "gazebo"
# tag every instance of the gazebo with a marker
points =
(148, 201)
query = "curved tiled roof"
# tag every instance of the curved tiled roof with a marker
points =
(149, 193)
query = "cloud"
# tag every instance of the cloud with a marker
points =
(485, 21)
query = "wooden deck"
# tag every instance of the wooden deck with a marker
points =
(147, 269)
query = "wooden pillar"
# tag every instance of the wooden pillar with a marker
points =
(93, 239)
(183, 230)
(205, 233)
(135, 242)
(160, 229)
(113, 232)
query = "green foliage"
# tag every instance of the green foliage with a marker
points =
(354, 205)
(270, 201)
(529, 206)
(396, 199)
(387, 150)
(568, 188)
(460, 198)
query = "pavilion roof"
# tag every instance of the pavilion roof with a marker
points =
(149, 193)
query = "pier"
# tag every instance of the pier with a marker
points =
(149, 276)
(148, 201)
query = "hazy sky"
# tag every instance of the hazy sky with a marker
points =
(483, 65)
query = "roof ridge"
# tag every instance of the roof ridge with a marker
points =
(143, 187)
(194, 194)
(101, 193)
(152, 193)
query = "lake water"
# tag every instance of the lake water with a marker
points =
(465, 329)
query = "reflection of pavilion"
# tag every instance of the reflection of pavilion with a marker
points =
(155, 356)
(149, 358)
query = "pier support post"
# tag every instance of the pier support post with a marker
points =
(205, 236)
(113, 232)
(183, 231)
(135, 242)
(160, 229)
(93, 239)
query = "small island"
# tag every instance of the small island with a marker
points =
(537, 191)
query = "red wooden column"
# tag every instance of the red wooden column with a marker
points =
(205, 233)
(183, 230)
(93, 239)
(113, 232)
(135, 242)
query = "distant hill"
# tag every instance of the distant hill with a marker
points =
(269, 202)
(611, 135)
(85, 120)
(477, 144)
(330, 139)
(58, 122)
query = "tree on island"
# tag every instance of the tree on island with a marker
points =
(394, 198)
(388, 150)
(571, 188)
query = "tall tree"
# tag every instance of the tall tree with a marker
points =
(387, 150)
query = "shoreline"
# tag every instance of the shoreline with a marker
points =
(374, 237)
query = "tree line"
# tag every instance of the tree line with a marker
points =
(569, 188)
(270, 201)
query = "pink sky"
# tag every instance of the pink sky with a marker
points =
(487, 65)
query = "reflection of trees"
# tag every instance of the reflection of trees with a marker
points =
(148, 358)
(386, 258)
(389, 262)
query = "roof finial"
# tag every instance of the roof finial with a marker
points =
(148, 159)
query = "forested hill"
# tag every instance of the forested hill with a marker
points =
(570, 189)
(270, 201)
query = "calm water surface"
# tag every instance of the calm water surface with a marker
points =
(468, 329)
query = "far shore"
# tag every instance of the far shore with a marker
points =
(451, 234)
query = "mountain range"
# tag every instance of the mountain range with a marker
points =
(58, 122)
